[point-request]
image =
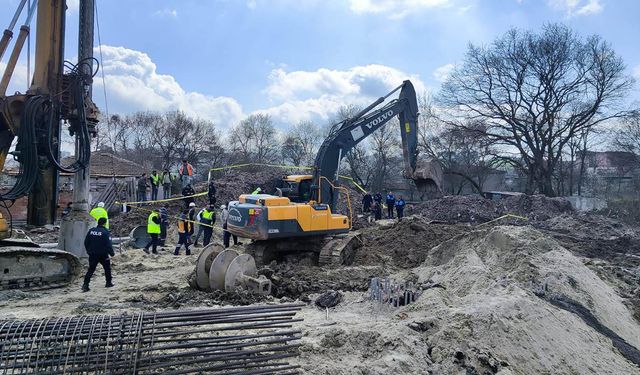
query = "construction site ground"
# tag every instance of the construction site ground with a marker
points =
(557, 293)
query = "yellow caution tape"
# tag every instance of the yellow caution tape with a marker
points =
(164, 200)
(259, 165)
(353, 182)
(171, 216)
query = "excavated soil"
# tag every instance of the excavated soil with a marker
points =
(403, 244)
(556, 294)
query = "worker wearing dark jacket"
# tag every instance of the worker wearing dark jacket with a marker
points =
(164, 221)
(400, 207)
(377, 197)
(377, 210)
(155, 185)
(208, 218)
(142, 188)
(98, 246)
(391, 203)
(187, 192)
(212, 193)
(366, 202)
(154, 230)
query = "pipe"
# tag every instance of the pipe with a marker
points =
(8, 32)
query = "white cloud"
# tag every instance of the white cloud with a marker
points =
(252, 4)
(442, 73)
(317, 95)
(18, 80)
(73, 5)
(133, 84)
(171, 13)
(577, 7)
(396, 8)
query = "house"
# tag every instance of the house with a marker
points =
(112, 178)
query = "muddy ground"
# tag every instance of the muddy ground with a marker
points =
(557, 293)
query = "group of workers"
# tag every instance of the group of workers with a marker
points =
(98, 239)
(374, 204)
(165, 179)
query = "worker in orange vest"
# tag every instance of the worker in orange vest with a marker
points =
(186, 173)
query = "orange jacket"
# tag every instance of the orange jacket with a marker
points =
(189, 170)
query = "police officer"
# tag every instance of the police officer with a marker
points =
(391, 202)
(153, 229)
(400, 207)
(98, 246)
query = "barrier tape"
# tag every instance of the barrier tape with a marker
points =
(280, 166)
(171, 216)
(164, 200)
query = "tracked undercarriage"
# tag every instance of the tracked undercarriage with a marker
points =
(338, 249)
(25, 265)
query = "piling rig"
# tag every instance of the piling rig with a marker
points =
(59, 91)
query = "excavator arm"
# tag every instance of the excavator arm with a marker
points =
(347, 134)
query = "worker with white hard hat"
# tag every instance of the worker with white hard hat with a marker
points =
(99, 212)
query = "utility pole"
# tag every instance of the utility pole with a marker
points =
(74, 227)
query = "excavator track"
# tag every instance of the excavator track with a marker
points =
(23, 265)
(329, 250)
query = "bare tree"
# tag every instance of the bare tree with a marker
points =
(301, 144)
(535, 92)
(627, 138)
(255, 139)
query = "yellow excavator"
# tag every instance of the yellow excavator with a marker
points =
(302, 218)
(59, 91)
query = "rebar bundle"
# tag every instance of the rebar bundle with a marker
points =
(386, 291)
(238, 340)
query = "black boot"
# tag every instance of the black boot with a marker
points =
(146, 250)
(108, 285)
(85, 288)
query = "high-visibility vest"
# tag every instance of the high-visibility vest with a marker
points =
(152, 227)
(207, 215)
(99, 212)
(155, 180)
(189, 170)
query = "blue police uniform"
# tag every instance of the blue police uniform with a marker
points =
(99, 248)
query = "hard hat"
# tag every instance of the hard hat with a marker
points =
(192, 204)
(223, 207)
(101, 204)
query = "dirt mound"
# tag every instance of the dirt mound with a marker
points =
(403, 244)
(613, 249)
(535, 207)
(528, 301)
(476, 209)
(458, 209)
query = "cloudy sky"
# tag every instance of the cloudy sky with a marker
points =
(303, 59)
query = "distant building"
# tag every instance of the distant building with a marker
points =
(111, 177)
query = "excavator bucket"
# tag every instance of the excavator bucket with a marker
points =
(24, 265)
(428, 178)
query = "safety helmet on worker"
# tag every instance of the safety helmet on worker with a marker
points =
(101, 204)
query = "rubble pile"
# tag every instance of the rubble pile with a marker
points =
(403, 244)
(458, 209)
(535, 207)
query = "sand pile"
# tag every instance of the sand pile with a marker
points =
(521, 297)
(503, 300)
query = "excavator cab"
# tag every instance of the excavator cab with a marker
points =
(297, 188)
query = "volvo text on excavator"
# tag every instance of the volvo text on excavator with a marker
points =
(303, 217)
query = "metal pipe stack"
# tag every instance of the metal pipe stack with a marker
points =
(238, 340)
